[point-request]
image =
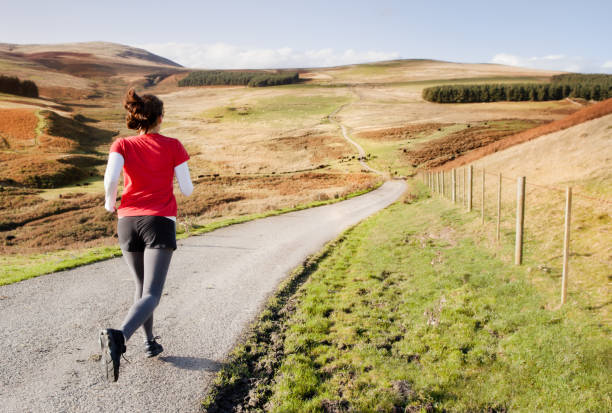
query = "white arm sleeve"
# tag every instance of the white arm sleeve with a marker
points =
(182, 175)
(111, 180)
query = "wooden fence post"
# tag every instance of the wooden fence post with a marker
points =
(434, 181)
(464, 183)
(459, 185)
(482, 204)
(566, 241)
(439, 182)
(470, 182)
(499, 189)
(454, 183)
(443, 191)
(520, 220)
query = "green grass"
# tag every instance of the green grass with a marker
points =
(15, 268)
(89, 185)
(281, 109)
(589, 264)
(598, 186)
(408, 312)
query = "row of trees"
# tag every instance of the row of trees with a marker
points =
(590, 87)
(217, 77)
(14, 86)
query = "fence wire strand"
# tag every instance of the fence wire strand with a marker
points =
(544, 220)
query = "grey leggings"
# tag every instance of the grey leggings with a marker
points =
(149, 269)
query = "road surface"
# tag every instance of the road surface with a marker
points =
(217, 284)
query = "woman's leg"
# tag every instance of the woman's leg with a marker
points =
(135, 261)
(155, 265)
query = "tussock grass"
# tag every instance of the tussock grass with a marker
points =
(408, 314)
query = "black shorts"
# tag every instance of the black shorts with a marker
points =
(150, 231)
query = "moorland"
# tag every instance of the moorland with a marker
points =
(253, 149)
(260, 150)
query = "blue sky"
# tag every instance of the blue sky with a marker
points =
(562, 34)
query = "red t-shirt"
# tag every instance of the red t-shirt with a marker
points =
(148, 172)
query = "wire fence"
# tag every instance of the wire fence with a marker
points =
(561, 225)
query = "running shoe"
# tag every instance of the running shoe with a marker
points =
(112, 346)
(153, 348)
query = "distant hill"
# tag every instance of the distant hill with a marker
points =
(75, 70)
(102, 51)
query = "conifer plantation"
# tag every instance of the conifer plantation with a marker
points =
(255, 79)
(590, 87)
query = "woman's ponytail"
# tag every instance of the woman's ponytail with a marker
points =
(142, 112)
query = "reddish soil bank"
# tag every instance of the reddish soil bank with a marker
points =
(438, 152)
(401, 133)
(591, 112)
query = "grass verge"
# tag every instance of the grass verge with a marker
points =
(251, 366)
(21, 267)
(407, 313)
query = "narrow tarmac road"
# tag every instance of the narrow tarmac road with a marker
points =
(217, 284)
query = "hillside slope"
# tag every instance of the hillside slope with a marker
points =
(78, 70)
(41, 149)
(418, 70)
(102, 51)
(581, 152)
(591, 112)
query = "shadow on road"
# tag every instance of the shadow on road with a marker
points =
(192, 363)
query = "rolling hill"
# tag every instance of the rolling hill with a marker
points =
(77, 70)
(252, 149)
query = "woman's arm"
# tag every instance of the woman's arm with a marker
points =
(111, 180)
(182, 175)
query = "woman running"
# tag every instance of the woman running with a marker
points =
(147, 217)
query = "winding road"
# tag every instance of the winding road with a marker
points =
(217, 284)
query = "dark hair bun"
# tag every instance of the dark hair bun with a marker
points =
(142, 112)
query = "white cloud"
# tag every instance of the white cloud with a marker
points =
(228, 56)
(549, 62)
(554, 62)
(506, 59)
